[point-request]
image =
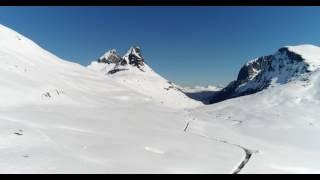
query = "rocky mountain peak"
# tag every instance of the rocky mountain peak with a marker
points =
(286, 64)
(116, 63)
(110, 57)
(281, 62)
(134, 57)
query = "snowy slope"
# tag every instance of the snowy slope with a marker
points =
(309, 53)
(280, 125)
(60, 117)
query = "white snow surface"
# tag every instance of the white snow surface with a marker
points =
(108, 54)
(280, 124)
(148, 83)
(310, 53)
(60, 117)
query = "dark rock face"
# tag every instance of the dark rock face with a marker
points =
(259, 74)
(202, 96)
(134, 57)
(115, 71)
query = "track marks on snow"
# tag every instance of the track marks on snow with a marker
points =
(243, 163)
(248, 152)
(19, 133)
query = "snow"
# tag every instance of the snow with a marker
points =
(60, 117)
(94, 123)
(281, 123)
(310, 53)
(282, 67)
(108, 54)
(148, 83)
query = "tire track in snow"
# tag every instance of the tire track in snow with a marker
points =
(248, 152)
(244, 162)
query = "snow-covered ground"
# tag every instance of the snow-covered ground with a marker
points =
(281, 125)
(149, 84)
(60, 117)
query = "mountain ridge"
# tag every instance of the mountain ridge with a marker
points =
(287, 64)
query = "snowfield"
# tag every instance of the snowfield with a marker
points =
(60, 117)
(280, 125)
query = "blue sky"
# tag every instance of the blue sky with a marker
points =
(189, 45)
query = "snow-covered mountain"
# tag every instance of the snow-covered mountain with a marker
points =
(132, 71)
(280, 125)
(287, 64)
(110, 57)
(60, 117)
(114, 62)
(134, 57)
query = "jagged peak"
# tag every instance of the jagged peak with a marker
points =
(133, 54)
(134, 57)
(308, 54)
(115, 63)
(110, 57)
